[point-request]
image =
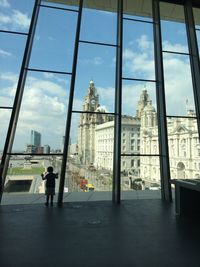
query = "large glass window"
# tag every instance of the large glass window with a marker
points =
(43, 109)
(180, 109)
(139, 131)
(54, 40)
(52, 81)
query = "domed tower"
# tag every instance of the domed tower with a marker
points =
(144, 99)
(148, 116)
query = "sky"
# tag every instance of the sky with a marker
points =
(45, 100)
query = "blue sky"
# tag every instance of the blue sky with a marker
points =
(45, 100)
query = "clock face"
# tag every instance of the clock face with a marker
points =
(93, 102)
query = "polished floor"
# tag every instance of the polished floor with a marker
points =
(137, 233)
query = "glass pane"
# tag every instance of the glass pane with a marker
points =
(139, 133)
(4, 122)
(11, 55)
(174, 36)
(140, 173)
(138, 50)
(98, 26)
(54, 40)
(138, 9)
(16, 15)
(90, 161)
(43, 110)
(96, 68)
(178, 84)
(24, 184)
(136, 95)
(184, 148)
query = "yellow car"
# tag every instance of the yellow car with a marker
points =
(88, 187)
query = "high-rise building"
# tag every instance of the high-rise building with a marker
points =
(35, 138)
(47, 149)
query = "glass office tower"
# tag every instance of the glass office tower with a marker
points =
(35, 138)
(112, 87)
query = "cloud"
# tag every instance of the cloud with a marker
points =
(4, 3)
(4, 19)
(167, 46)
(17, 20)
(4, 53)
(106, 97)
(44, 108)
(139, 63)
(44, 105)
(92, 61)
(21, 19)
(9, 76)
(144, 44)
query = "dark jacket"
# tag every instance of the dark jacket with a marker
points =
(50, 179)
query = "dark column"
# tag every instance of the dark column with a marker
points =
(194, 58)
(118, 95)
(69, 114)
(161, 107)
(18, 97)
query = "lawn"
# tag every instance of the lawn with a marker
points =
(21, 170)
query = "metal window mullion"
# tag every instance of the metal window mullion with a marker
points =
(70, 105)
(116, 193)
(18, 97)
(161, 106)
(194, 58)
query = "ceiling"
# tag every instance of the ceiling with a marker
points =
(136, 7)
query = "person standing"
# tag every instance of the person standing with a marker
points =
(50, 177)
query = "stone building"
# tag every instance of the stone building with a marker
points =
(88, 124)
(183, 145)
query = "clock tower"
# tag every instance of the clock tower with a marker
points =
(92, 115)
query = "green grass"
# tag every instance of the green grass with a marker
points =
(21, 171)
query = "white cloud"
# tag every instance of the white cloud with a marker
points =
(48, 75)
(106, 97)
(44, 108)
(17, 20)
(4, 19)
(20, 19)
(9, 76)
(92, 61)
(144, 44)
(167, 46)
(4, 53)
(4, 3)
(139, 63)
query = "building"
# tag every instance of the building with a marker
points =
(105, 143)
(35, 138)
(47, 149)
(183, 144)
(88, 124)
(31, 149)
(96, 134)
